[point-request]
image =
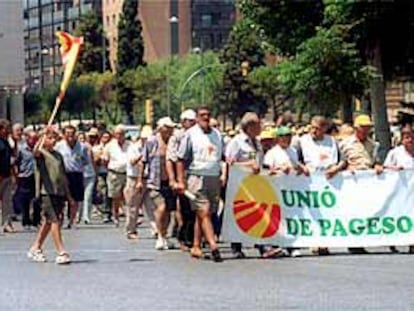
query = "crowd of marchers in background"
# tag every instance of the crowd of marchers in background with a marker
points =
(173, 176)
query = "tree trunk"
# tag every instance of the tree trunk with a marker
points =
(274, 108)
(379, 105)
(346, 108)
(93, 113)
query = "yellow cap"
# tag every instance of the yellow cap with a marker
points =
(267, 134)
(363, 120)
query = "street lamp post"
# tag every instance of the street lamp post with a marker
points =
(200, 50)
(190, 78)
(173, 20)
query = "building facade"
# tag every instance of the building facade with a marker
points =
(42, 18)
(173, 27)
(212, 21)
(11, 60)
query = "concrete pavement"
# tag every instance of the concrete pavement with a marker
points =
(110, 273)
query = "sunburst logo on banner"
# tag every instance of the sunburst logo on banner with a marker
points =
(256, 207)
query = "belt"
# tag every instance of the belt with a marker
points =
(116, 172)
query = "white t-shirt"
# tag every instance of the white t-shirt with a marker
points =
(278, 157)
(319, 154)
(399, 157)
(242, 148)
(133, 153)
(203, 151)
(116, 155)
(99, 149)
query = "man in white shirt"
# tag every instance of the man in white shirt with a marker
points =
(200, 153)
(320, 152)
(245, 150)
(283, 158)
(133, 191)
(402, 158)
(75, 157)
(115, 156)
(185, 216)
(101, 197)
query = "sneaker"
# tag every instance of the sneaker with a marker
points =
(108, 221)
(36, 255)
(168, 244)
(154, 231)
(295, 253)
(159, 244)
(63, 259)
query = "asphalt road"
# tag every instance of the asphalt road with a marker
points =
(110, 273)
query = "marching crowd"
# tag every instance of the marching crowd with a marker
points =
(174, 174)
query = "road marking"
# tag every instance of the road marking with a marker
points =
(18, 252)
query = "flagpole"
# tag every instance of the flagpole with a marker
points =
(69, 48)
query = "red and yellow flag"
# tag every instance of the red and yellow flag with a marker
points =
(69, 49)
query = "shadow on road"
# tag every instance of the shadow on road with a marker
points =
(84, 261)
(140, 260)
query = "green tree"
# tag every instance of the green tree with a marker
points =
(285, 24)
(377, 28)
(325, 74)
(195, 80)
(130, 41)
(265, 84)
(150, 82)
(130, 54)
(243, 49)
(104, 101)
(32, 107)
(374, 26)
(93, 56)
(78, 100)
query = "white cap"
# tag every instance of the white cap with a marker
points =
(166, 121)
(119, 128)
(188, 114)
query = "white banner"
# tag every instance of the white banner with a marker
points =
(350, 210)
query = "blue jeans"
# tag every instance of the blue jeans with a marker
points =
(23, 199)
(89, 184)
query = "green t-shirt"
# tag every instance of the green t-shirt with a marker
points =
(50, 174)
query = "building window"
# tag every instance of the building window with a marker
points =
(108, 20)
(73, 25)
(206, 20)
(114, 20)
